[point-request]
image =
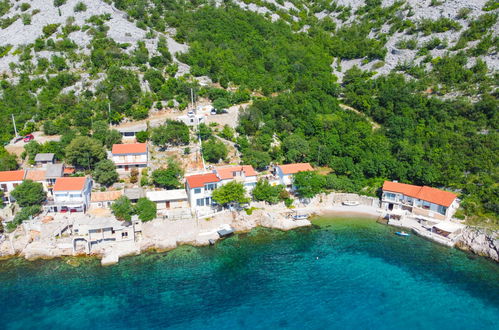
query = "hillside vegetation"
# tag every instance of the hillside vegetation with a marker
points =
(435, 97)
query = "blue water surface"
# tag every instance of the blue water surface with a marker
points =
(345, 273)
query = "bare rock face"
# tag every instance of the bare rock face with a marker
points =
(480, 241)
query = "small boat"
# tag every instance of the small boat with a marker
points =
(300, 216)
(402, 233)
(350, 203)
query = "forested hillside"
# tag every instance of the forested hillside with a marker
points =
(429, 84)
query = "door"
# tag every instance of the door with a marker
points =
(167, 204)
(126, 167)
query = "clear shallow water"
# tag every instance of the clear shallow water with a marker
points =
(347, 273)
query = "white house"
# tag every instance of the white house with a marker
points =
(169, 199)
(128, 156)
(285, 172)
(92, 233)
(419, 200)
(71, 194)
(8, 181)
(244, 174)
(200, 187)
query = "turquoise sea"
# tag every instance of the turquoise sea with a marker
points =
(344, 273)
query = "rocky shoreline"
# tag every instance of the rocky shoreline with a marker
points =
(165, 235)
(480, 241)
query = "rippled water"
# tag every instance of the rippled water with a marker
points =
(344, 273)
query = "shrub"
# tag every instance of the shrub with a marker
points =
(79, 7)
(146, 209)
(122, 208)
(58, 3)
(29, 193)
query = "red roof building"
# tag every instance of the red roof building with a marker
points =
(429, 194)
(129, 149)
(295, 168)
(9, 176)
(229, 172)
(199, 180)
(70, 184)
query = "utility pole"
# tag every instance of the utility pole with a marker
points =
(192, 102)
(14, 122)
(109, 112)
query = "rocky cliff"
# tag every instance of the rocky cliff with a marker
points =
(480, 241)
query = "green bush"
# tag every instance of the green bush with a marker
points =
(80, 7)
(146, 209)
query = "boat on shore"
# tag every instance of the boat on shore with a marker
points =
(350, 203)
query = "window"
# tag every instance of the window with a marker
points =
(197, 190)
(200, 202)
(390, 196)
(210, 186)
(442, 209)
(4, 187)
(426, 205)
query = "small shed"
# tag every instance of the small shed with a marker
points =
(169, 199)
(44, 158)
(134, 194)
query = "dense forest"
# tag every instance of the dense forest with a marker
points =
(422, 136)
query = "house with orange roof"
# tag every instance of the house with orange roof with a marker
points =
(286, 172)
(8, 181)
(244, 174)
(129, 156)
(104, 198)
(71, 194)
(199, 188)
(419, 200)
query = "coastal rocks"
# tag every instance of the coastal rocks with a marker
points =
(480, 241)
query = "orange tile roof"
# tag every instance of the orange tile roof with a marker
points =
(199, 180)
(227, 172)
(104, 196)
(69, 170)
(35, 175)
(70, 184)
(7, 176)
(429, 194)
(130, 148)
(295, 168)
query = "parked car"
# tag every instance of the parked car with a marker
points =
(213, 111)
(28, 138)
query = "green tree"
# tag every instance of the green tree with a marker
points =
(204, 132)
(232, 192)
(29, 193)
(308, 184)
(106, 136)
(105, 172)
(172, 133)
(256, 158)
(123, 209)
(214, 151)
(296, 149)
(263, 191)
(8, 161)
(85, 152)
(142, 136)
(168, 178)
(227, 133)
(146, 209)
